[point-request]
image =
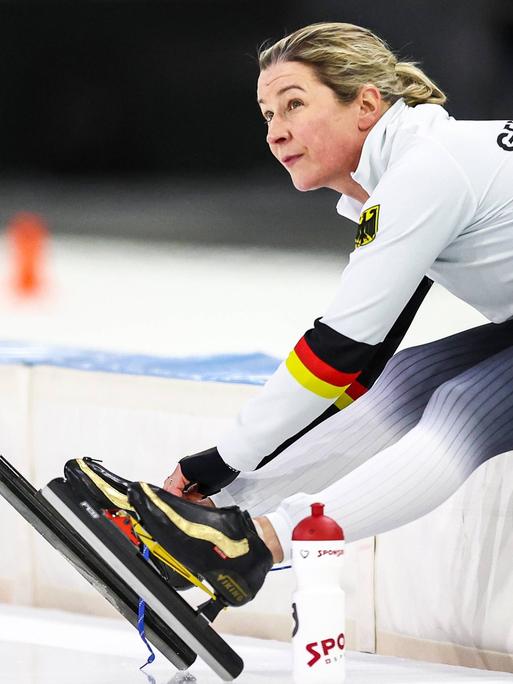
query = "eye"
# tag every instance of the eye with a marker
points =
(294, 104)
(267, 116)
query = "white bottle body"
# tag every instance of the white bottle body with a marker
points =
(319, 612)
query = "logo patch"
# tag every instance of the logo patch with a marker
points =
(368, 226)
(233, 587)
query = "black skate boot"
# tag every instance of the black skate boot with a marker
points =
(97, 484)
(89, 480)
(221, 545)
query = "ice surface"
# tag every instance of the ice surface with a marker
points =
(50, 647)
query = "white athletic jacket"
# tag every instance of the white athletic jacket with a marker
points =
(440, 204)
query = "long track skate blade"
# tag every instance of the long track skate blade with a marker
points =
(125, 559)
(57, 531)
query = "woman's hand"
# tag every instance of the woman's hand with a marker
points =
(178, 485)
(176, 482)
(207, 474)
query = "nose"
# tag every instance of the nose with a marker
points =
(277, 131)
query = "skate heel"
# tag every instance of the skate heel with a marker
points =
(211, 609)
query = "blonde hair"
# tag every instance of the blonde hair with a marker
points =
(346, 57)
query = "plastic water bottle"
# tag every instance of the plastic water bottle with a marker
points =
(318, 608)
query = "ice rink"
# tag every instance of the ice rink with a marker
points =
(176, 300)
(45, 647)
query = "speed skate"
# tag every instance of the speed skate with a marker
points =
(95, 544)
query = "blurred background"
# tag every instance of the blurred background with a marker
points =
(130, 130)
(138, 118)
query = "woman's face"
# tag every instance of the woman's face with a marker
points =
(316, 137)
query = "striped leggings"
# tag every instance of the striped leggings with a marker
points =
(436, 413)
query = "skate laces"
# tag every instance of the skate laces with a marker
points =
(159, 552)
(140, 619)
(137, 534)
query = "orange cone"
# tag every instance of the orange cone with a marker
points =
(28, 236)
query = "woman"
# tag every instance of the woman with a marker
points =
(433, 201)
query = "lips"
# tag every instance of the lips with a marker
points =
(290, 159)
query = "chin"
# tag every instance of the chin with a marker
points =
(304, 184)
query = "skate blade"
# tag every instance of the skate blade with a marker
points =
(55, 529)
(125, 560)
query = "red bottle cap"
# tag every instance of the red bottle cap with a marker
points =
(317, 527)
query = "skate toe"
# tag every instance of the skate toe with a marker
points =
(89, 480)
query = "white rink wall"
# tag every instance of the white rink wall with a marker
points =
(440, 588)
(444, 583)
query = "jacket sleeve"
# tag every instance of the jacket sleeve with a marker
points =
(419, 207)
(377, 362)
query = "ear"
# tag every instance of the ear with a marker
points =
(371, 106)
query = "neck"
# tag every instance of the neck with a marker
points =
(354, 190)
(351, 187)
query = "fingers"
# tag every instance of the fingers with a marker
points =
(191, 493)
(171, 486)
(176, 482)
(177, 485)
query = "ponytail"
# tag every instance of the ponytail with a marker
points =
(415, 87)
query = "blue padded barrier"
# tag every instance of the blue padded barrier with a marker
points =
(249, 369)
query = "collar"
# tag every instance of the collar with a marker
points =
(374, 160)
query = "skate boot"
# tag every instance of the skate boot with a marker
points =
(97, 484)
(220, 545)
(89, 480)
